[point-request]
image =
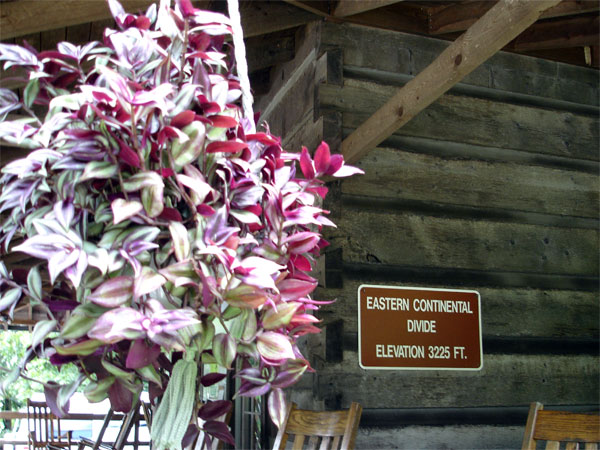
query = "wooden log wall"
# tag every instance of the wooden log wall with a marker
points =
(493, 188)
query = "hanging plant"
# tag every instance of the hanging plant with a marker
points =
(168, 232)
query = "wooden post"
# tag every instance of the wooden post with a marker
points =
(501, 24)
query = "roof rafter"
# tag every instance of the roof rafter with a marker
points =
(500, 25)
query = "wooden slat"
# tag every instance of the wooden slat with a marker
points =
(559, 426)
(306, 43)
(318, 7)
(268, 17)
(23, 16)
(346, 8)
(410, 19)
(461, 15)
(271, 49)
(488, 35)
(491, 123)
(49, 39)
(298, 442)
(391, 173)
(79, 34)
(332, 425)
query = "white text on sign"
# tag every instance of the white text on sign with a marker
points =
(419, 305)
(418, 351)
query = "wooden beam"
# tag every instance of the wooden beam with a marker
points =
(346, 8)
(493, 31)
(31, 16)
(460, 16)
(409, 18)
(268, 17)
(566, 33)
(318, 7)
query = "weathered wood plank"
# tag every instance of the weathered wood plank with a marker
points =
(504, 380)
(294, 99)
(284, 76)
(411, 18)
(461, 150)
(505, 312)
(310, 132)
(422, 241)
(392, 173)
(79, 34)
(409, 54)
(469, 90)
(485, 37)
(451, 276)
(49, 39)
(268, 50)
(489, 123)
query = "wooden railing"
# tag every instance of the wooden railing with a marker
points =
(17, 415)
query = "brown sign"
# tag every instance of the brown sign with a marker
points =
(418, 328)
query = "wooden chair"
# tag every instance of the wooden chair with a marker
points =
(325, 429)
(129, 421)
(561, 426)
(44, 427)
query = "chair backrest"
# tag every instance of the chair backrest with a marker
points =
(561, 426)
(44, 427)
(324, 429)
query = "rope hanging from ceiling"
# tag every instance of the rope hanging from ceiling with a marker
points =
(240, 59)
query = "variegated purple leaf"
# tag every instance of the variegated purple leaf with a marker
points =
(15, 55)
(249, 390)
(123, 209)
(274, 347)
(280, 316)
(246, 296)
(147, 281)
(114, 292)
(118, 324)
(9, 101)
(278, 407)
(224, 349)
